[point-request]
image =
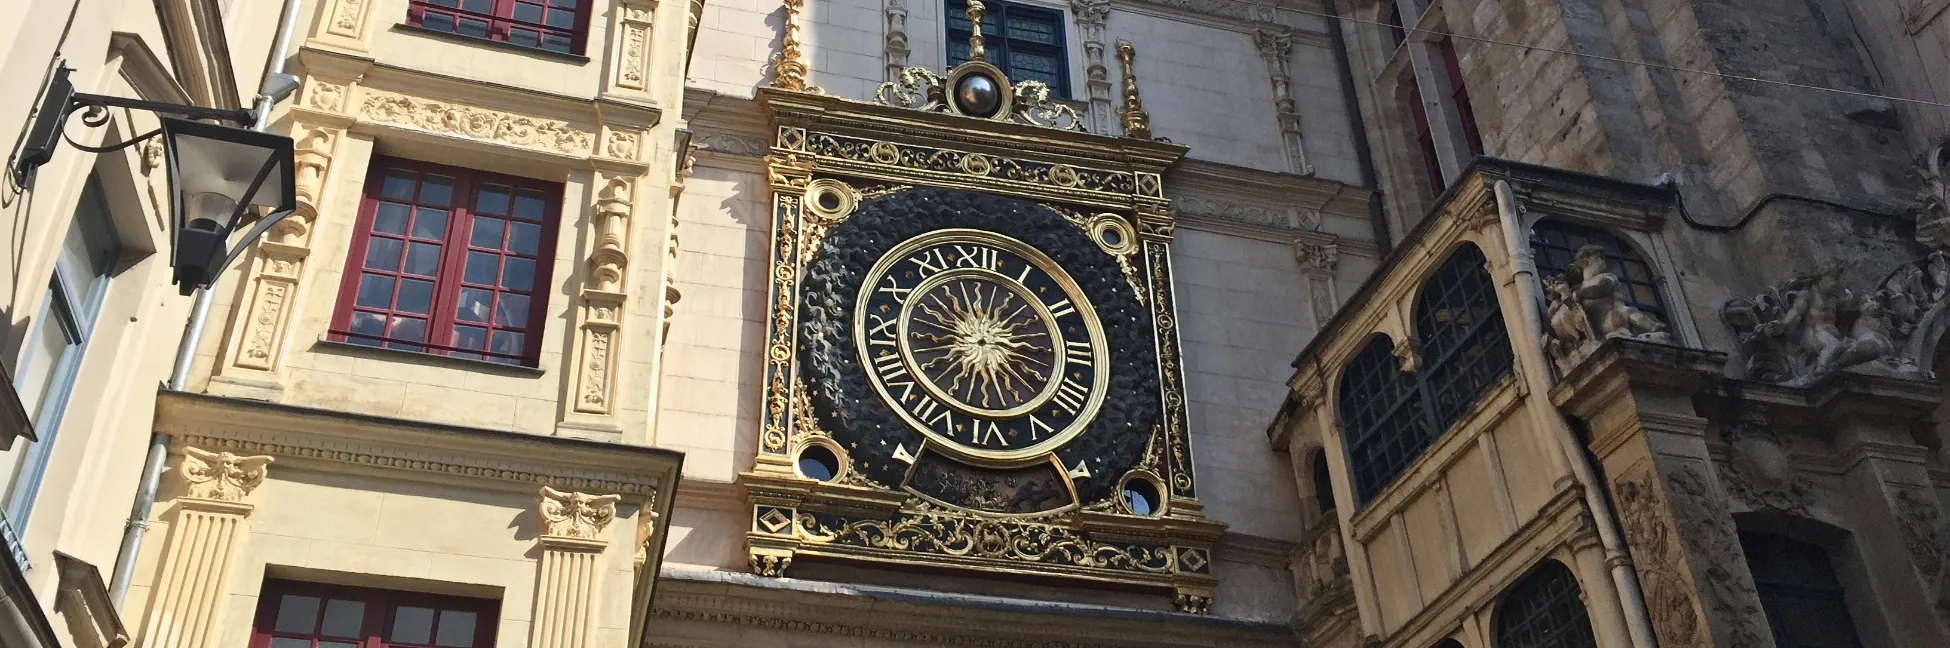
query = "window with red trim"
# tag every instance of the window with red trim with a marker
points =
(553, 25)
(295, 614)
(1459, 93)
(449, 261)
(1425, 139)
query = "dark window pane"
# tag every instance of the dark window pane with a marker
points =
(481, 268)
(506, 342)
(408, 330)
(456, 628)
(525, 37)
(343, 618)
(473, 305)
(524, 238)
(375, 291)
(287, 642)
(382, 254)
(398, 184)
(421, 258)
(478, 6)
(562, 19)
(511, 311)
(297, 614)
(437, 21)
(446, 3)
(529, 203)
(412, 625)
(337, 644)
(531, 13)
(390, 218)
(556, 43)
(491, 199)
(487, 233)
(518, 274)
(415, 296)
(472, 27)
(429, 223)
(565, 4)
(436, 190)
(1032, 28)
(368, 323)
(470, 337)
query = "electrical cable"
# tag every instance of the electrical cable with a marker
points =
(1649, 64)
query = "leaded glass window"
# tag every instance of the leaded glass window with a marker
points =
(1465, 349)
(1025, 41)
(1544, 610)
(1555, 243)
(1383, 415)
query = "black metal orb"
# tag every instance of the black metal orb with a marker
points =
(978, 95)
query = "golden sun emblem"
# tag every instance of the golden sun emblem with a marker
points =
(987, 341)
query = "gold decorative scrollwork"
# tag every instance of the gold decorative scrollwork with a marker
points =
(951, 161)
(919, 88)
(957, 536)
(1112, 234)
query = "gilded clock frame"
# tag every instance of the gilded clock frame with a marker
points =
(828, 155)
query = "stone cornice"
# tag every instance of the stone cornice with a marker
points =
(918, 617)
(342, 442)
(1255, 550)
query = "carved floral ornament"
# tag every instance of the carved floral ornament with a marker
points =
(576, 515)
(221, 476)
(478, 123)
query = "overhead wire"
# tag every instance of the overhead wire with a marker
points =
(1613, 59)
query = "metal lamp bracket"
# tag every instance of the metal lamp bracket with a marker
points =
(61, 101)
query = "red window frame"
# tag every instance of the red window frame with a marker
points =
(458, 275)
(1425, 140)
(1459, 93)
(523, 23)
(379, 621)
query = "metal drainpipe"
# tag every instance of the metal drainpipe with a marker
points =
(179, 378)
(1638, 624)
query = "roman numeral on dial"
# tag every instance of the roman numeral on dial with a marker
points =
(1078, 352)
(1070, 395)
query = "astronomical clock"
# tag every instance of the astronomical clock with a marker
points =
(972, 360)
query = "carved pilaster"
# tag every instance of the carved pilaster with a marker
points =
(1091, 17)
(1318, 264)
(1137, 122)
(572, 544)
(1276, 48)
(896, 38)
(259, 329)
(195, 570)
(1687, 553)
(603, 299)
(344, 24)
(633, 37)
(788, 175)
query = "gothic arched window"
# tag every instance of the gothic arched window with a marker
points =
(1555, 243)
(1465, 349)
(1799, 592)
(1383, 417)
(1544, 611)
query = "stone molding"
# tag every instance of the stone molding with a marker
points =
(342, 442)
(1276, 49)
(1091, 16)
(935, 619)
(86, 603)
(476, 123)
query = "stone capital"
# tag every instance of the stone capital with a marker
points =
(576, 515)
(222, 476)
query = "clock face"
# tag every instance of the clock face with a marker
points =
(982, 343)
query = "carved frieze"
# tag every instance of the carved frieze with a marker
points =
(1689, 559)
(1928, 543)
(1248, 213)
(222, 476)
(476, 123)
(729, 144)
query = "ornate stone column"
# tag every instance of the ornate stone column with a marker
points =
(1318, 263)
(203, 539)
(1091, 16)
(593, 378)
(570, 570)
(1276, 47)
(896, 38)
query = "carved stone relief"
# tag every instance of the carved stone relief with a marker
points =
(476, 123)
(576, 515)
(1928, 544)
(1276, 48)
(281, 257)
(896, 46)
(604, 297)
(1251, 214)
(1759, 474)
(1933, 224)
(222, 476)
(1685, 541)
(1091, 17)
(1811, 326)
(1589, 304)
(633, 22)
(348, 18)
(730, 144)
(1318, 263)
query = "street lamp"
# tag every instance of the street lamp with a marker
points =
(216, 173)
